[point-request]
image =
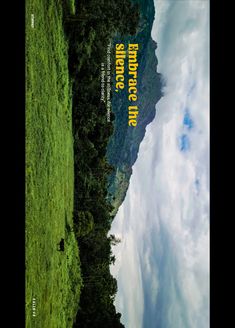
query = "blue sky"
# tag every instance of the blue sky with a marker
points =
(184, 142)
(188, 122)
(162, 263)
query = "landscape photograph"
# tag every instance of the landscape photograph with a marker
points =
(117, 163)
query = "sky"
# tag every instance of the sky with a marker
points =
(162, 262)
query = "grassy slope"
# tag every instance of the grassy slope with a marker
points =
(52, 278)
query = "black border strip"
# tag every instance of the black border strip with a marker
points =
(221, 167)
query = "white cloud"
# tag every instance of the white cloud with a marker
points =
(162, 191)
(128, 269)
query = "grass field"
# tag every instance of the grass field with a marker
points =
(53, 278)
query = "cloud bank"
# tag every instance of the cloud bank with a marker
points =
(162, 263)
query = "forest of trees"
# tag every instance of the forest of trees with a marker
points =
(89, 31)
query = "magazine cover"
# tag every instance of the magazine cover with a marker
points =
(117, 163)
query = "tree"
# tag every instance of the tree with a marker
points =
(85, 223)
(113, 240)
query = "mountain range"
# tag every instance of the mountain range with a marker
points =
(123, 147)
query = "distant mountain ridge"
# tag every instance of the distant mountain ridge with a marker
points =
(123, 146)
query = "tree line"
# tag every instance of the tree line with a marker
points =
(89, 32)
